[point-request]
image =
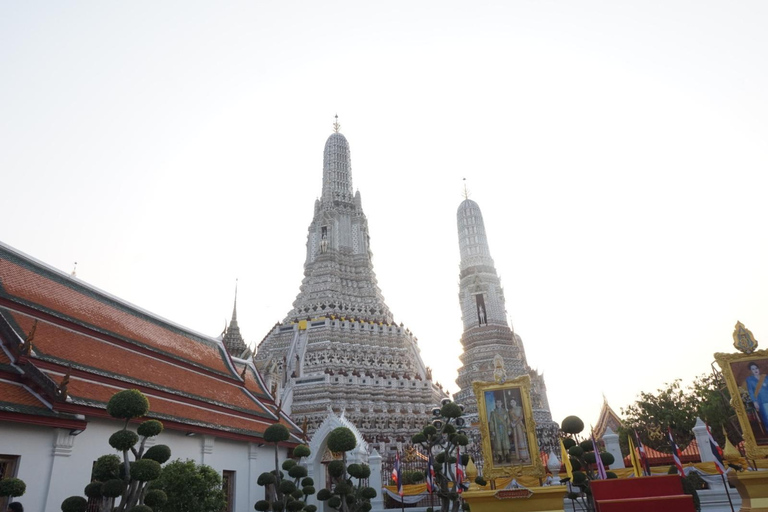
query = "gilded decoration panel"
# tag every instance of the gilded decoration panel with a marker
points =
(745, 376)
(508, 429)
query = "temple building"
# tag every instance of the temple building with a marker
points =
(488, 341)
(66, 347)
(232, 339)
(339, 349)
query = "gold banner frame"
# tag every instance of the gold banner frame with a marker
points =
(740, 377)
(494, 393)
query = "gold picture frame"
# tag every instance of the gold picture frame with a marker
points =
(507, 429)
(745, 376)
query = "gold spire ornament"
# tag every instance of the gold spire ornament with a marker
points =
(336, 125)
(743, 339)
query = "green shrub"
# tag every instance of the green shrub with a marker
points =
(323, 494)
(266, 479)
(150, 428)
(93, 490)
(341, 439)
(155, 498)
(159, 453)
(74, 504)
(140, 508)
(301, 451)
(145, 470)
(261, 506)
(286, 487)
(343, 488)
(307, 481)
(450, 410)
(112, 488)
(297, 472)
(107, 467)
(572, 425)
(276, 433)
(128, 404)
(336, 468)
(123, 440)
(368, 493)
(12, 487)
(568, 442)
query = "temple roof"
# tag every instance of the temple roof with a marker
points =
(607, 418)
(68, 347)
(232, 339)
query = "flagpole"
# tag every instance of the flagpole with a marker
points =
(725, 484)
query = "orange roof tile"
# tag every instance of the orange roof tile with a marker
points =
(15, 394)
(87, 392)
(55, 343)
(53, 293)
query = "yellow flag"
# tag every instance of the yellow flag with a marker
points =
(633, 457)
(566, 460)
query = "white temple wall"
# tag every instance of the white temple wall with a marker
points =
(56, 465)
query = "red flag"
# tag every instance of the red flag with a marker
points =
(676, 455)
(396, 475)
(459, 473)
(430, 475)
(643, 455)
(717, 452)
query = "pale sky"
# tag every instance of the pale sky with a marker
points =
(618, 151)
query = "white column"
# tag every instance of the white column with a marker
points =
(253, 474)
(702, 438)
(207, 448)
(611, 441)
(553, 464)
(60, 484)
(374, 461)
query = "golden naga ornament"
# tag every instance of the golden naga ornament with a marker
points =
(743, 339)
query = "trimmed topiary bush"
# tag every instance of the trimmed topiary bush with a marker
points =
(159, 453)
(341, 439)
(74, 504)
(572, 425)
(106, 468)
(93, 490)
(150, 428)
(12, 487)
(140, 508)
(155, 498)
(123, 440)
(301, 451)
(112, 488)
(297, 472)
(145, 470)
(128, 404)
(123, 478)
(336, 468)
(276, 433)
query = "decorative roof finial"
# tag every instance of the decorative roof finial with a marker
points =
(466, 192)
(234, 309)
(74, 271)
(336, 124)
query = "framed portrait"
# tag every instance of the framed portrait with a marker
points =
(746, 376)
(507, 428)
